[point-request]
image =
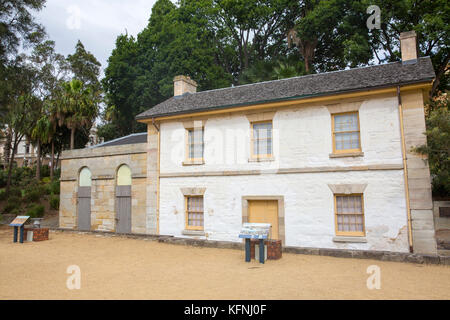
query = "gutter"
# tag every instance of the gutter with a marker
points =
(405, 169)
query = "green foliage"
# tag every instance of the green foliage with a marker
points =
(85, 66)
(36, 211)
(12, 204)
(438, 146)
(54, 202)
(46, 180)
(78, 106)
(32, 196)
(2, 194)
(45, 171)
(15, 192)
(3, 178)
(54, 187)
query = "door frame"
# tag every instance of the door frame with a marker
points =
(280, 200)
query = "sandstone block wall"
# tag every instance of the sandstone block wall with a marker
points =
(103, 162)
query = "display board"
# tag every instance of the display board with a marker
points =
(19, 221)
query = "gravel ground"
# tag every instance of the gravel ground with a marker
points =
(114, 267)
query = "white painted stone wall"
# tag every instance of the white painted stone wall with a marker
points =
(302, 139)
(309, 207)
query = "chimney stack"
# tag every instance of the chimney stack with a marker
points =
(408, 47)
(183, 84)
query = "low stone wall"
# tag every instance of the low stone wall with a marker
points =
(339, 253)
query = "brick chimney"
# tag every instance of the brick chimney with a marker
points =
(408, 47)
(183, 84)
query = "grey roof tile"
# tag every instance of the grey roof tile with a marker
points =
(378, 76)
(130, 139)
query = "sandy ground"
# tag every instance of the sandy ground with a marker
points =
(114, 267)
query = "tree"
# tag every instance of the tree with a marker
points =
(438, 147)
(41, 133)
(85, 66)
(18, 28)
(21, 103)
(119, 85)
(77, 107)
(140, 71)
(51, 70)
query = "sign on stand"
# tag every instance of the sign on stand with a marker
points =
(17, 223)
(261, 231)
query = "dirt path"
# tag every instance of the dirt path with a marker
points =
(122, 268)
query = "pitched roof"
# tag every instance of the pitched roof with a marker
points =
(329, 83)
(130, 139)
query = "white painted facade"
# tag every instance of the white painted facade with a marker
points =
(302, 140)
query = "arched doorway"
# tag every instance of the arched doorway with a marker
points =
(84, 200)
(123, 199)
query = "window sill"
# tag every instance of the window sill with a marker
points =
(193, 163)
(261, 159)
(198, 233)
(357, 239)
(346, 155)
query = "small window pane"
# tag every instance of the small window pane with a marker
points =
(346, 132)
(262, 138)
(349, 214)
(195, 212)
(346, 122)
(195, 143)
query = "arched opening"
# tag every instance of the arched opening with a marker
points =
(124, 176)
(84, 199)
(123, 199)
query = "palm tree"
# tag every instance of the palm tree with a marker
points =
(41, 133)
(78, 107)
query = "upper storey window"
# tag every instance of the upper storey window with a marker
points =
(261, 140)
(346, 134)
(195, 143)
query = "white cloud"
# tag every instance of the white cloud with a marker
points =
(97, 23)
(74, 19)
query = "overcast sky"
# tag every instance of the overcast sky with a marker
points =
(97, 23)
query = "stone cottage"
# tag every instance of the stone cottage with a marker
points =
(326, 159)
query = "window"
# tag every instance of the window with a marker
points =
(194, 212)
(195, 144)
(349, 215)
(85, 177)
(124, 176)
(346, 135)
(261, 140)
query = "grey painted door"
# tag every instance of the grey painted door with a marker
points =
(84, 208)
(123, 209)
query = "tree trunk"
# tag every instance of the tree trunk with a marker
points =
(10, 164)
(72, 138)
(52, 166)
(7, 148)
(38, 161)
